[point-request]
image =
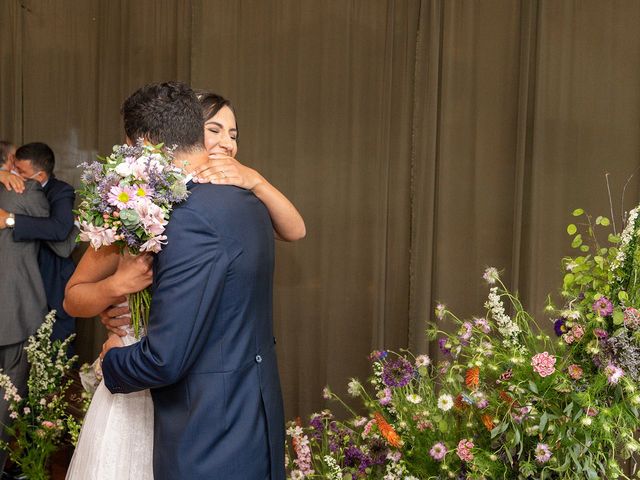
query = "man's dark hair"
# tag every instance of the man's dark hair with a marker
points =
(40, 154)
(5, 148)
(166, 113)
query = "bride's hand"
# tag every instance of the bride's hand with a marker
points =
(227, 171)
(113, 341)
(115, 317)
(134, 273)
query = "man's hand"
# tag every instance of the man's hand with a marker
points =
(11, 181)
(115, 317)
(113, 341)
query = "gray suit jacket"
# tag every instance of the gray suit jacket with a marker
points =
(22, 298)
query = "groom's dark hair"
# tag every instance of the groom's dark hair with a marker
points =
(166, 113)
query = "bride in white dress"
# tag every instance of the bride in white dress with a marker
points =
(116, 441)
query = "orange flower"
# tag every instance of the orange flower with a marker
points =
(506, 398)
(387, 431)
(472, 378)
(488, 421)
(458, 403)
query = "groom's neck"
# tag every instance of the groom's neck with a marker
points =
(191, 160)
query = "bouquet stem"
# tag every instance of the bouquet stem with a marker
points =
(139, 305)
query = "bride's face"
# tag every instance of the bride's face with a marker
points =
(221, 134)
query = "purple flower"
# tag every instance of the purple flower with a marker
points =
(397, 373)
(438, 451)
(377, 355)
(385, 396)
(603, 307)
(465, 331)
(442, 343)
(559, 327)
(600, 333)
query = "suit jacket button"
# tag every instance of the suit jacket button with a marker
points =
(258, 359)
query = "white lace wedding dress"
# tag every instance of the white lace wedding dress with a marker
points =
(116, 441)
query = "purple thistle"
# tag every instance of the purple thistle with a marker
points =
(603, 307)
(397, 373)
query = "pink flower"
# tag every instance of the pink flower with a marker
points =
(367, 428)
(151, 217)
(575, 371)
(613, 373)
(97, 236)
(603, 307)
(423, 361)
(122, 197)
(465, 331)
(438, 451)
(482, 325)
(577, 331)
(48, 424)
(464, 450)
(568, 338)
(385, 396)
(600, 333)
(154, 244)
(632, 318)
(543, 364)
(543, 453)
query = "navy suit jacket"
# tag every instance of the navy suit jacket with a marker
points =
(209, 354)
(56, 271)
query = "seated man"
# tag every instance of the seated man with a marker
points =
(22, 295)
(36, 161)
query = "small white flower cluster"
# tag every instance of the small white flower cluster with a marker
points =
(627, 234)
(395, 469)
(507, 328)
(354, 387)
(336, 472)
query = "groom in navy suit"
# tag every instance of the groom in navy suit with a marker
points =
(209, 354)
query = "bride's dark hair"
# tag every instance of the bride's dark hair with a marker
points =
(212, 103)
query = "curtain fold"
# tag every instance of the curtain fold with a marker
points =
(422, 141)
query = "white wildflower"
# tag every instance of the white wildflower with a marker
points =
(445, 402)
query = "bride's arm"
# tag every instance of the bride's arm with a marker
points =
(287, 221)
(103, 278)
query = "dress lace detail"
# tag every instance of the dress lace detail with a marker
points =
(116, 441)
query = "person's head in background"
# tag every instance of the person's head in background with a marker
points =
(220, 125)
(35, 161)
(167, 113)
(7, 155)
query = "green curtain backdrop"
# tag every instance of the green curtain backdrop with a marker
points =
(422, 140)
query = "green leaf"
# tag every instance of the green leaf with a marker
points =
(443, 426)
(572, 229)
(533, 387)
(584, 248)
(618, 317)
(577, 212)
(623, 296)
(543, 421)
(577, 241)
(605, 222)
(614, 238)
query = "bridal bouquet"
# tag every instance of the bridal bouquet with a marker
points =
(41, 420)
(126, 200)
(503, 400)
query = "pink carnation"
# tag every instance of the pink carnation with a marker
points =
(543, 364)
(577, 331)
(464, 450)
(575, 371)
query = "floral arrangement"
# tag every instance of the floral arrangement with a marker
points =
(126, 200)
(503, 400)
(41, 420)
